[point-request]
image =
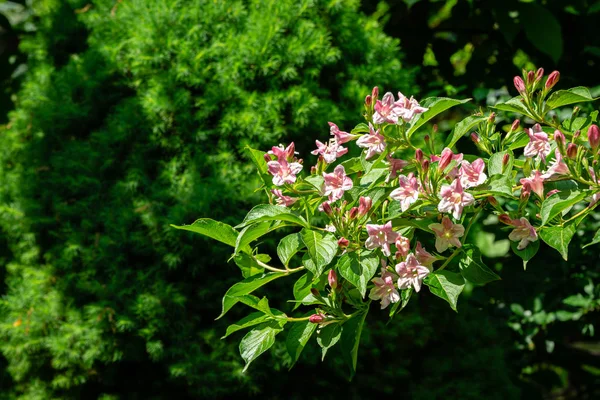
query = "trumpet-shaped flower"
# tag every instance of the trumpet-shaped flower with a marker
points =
(407, 193)
(283, 172)
(283, 200)
(381, 236)
(373, 142)
(330, 152)
(386, 110)
(535, 182)
(341, 137)
(447, 234)
(411, 273)
(423, 256)
(408, 108)
(337, 183)
(454, 199)
(445, 158)
(558, 166)
(471, 174)
(384, 289)
(396, 165)
(523, 233)
(538, 143)
(403, 246)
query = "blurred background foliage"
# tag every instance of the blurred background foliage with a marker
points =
(123, 116)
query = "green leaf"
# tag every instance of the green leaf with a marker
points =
(574, 95)
(545, 33)
(473, 269)
(559, 202)
(360, 128)
(259, 340)
(436, 106)
(496, 184)
(495, 163)
(252, 232)
(514, 105)
(358, 269)
(213, 229)
(404, 298)
(288, 247)
(527, 253)
(559, 237)
(247, 265)
(521, 140)
(321, 248)
(353, 165)
(250, 320)
(446, 285)
(350, 341)
(268, 212)
(297, 337)
(258, 159)
(463, 128)
(595, 240)
(246, 286)
(373, 175)
(328, 336)
(302, 293)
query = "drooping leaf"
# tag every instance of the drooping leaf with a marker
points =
(250, 320)
(446, 285)
(244, 287)
(328, 336)
(288, 247)
(574, 95)
(321, 248)
(527, 253)
(463, 128)
(559, 202)
(297, 337)
(473, 269)
(559, 237)
(350, 340)
(213, 229)
(495, 163)
(358, 269)
(268, 212)
(436, 105)
(373, 176)
(259, 340)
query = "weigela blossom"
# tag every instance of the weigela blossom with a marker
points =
(538, 143)
(364, 205)
(454, 199)
(283, 172)
(411, 273)
(396, 165)
(403, 246)
(535, 182)
(595, 197)
(424, 257)
(472, 175)
(558, 167)
(283, 200)
(407, 108)
(523, 233)
(330, 152)
(337, 183)
(381, 236)
(407, 193)
(341, 137)
(373, 142)
(447, 234)
(445, 158)
(384, 289)
(386, 110)
(286, 154)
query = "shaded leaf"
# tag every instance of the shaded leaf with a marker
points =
(350, 341)
(527, 253)
(244, 287)
(328, 336)
(259, 340)
(446, 285)
(297, 337)
(559, 202)
(473, 269)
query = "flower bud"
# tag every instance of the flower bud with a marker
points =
(572, 151)
(519, 84)
(559, 138)
(530, 77)
(492, 200)
(525, 191)
(539, 74)
(515, 125)
(425, 165)
(267, 157)
(594, 137)
(343, 242)
(317, 318)
(364, 205)
(368, 101)
(435, 128)
(353, 213)
(505, 219)
(313, 170)
(505, 160)
(327, 208)
(419, 155)
(576, 135)
(427, 139)
(475, 137)
(375, 93)
(552, 80)
(315, 292)
(492, 117)
(332, 278)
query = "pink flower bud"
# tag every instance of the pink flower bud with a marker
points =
(435, 128)
(332, 278)
(576, 135)
(515, 125)
(552, 80)
(425, 165)
(427, 139)
(313, 170)
(327, 208)
(572, 151)
(368, 101)
(475, 137)
(492, 117)
(267, 157)
(315, 292)
(519, 84)
(559, 138)
(364, 205)
(492, 200)
(550, 193)
(505, 219)
(375, 93)
(594, 137)
(530, 77)
(317, 318)
(539, 74)
(343, 242)
(419, 155)
(353, 213)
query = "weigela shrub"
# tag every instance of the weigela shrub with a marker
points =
(379, 226)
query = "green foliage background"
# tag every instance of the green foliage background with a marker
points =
(134, 114)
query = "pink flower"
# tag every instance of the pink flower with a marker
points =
(336, 183)
(446, 157)
(330, 152)
(403, 246)
(454, 199)
(283, 172)
(407, 108)
(396, 165)
(424, 257)
(386, 110)
(364, 205)
(595, 197)
(384, 289)
(472, 175)
(286, 154)
(538, 143)
(341, 137)
(381, 236)
(411, 273)
(535, 182)
(447, 234)
(407, 193)
(558, 167)
(373, 142)
(523, 233)
(283, 200)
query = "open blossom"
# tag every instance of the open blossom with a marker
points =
(471, 174)
(454, 199)
(396, 165)
(381, 236)
(558, 166)
(286, 154)
(523, 233)
(535, 182)
(386, 110)
(384, 289)
(403, 246)
(411, 273)
(446, 157)
(283, 171)
(330, 152)
(447, 234)
(337, 183)
(407, 108)
(538, 143)
(595, 197)
(424, 257)
(283, 200)
(407, 193)
(373, 142)
(341, 137)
